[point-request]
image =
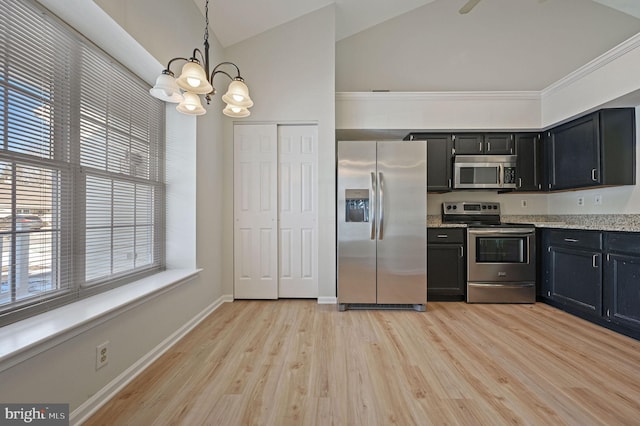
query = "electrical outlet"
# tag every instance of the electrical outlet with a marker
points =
(581, 201)
(102, 355)
(523, 203)
(597, 200)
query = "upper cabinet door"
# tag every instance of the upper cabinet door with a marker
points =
(574, 154)
(478, 143)
(499, 143)
(528, 167)
(468, 143)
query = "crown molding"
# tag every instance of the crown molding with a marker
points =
(606, 58)
(437, 96)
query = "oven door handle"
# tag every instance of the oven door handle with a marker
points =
(518, 232)
(503, 285)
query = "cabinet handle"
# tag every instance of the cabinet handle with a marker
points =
(519, 182)
(461, 251)
(479, 146)
(488, 146)
(593, 175)
(571, 240)
(449, 182)
(594, 260)
(443, 236)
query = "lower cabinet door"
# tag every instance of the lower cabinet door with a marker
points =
(622, 281)
(445, 272)
(576, 279)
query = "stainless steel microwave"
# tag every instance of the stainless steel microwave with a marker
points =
(484, 171)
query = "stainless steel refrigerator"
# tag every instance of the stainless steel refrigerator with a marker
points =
(382, 215)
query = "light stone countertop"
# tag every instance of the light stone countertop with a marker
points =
(597, 222)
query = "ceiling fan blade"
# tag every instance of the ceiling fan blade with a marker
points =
(468, 6)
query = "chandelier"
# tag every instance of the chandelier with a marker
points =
(195, 81)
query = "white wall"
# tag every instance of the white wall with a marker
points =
(438, 110)
(290, 72)
(66, 373)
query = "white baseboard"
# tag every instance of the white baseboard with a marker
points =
(327, 300)
(90, 406)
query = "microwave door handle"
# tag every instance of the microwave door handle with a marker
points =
(500, 172)
(373, 205)
(381, 200)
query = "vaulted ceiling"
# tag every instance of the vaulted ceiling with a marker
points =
(234, 21)
(427, 45)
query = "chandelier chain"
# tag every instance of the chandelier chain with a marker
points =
(206, 20)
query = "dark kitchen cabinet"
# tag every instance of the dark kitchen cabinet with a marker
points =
(529, 165)
(595, 275)
(499, 143)
(446, 264)
(468, 143)
(622, 279)
(572, 267)
(483, 143)
(597, 149)
(439, 160)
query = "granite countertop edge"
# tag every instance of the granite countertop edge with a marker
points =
(596, 222)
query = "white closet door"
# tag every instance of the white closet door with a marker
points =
(255, 212)
(298, 211)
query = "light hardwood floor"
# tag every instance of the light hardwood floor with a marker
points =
(293, 362)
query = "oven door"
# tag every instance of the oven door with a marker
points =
(501, 255)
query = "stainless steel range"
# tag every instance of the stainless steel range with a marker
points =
(501, 257)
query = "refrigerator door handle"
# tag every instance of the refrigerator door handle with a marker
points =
(374, 190)
(381, 184)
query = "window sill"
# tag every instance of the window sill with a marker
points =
(25, 339)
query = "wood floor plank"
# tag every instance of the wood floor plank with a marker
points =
(294, 362)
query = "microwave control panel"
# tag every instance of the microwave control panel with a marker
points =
(509, 175)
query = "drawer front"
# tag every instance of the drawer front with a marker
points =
(445, 235)
(623, 242)
(574, 238)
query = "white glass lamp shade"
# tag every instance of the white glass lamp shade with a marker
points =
(166, 89)
(193, 79)
(238, 94)
(191, 105)
(236, 111)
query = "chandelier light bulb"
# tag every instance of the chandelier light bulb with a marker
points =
(191, 105)
(238, 94)
(193, 79)
(193, 82)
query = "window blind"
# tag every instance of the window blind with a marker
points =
(81, 167)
